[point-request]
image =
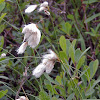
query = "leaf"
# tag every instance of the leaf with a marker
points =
(68, 46)
(80, 62)
(43, 96)
(90, 33)
(74, 42)
(97, 28)
(90, 1)
(91, 70)
(62, 42)
(71, 96)
(2, 6)
(84, 52)
(81, 39)
(51, 89)
(2, 1)
(95, 66)
(93, 31)
(49, 78)
(63, 56)
(61, 89)
(86, 72)
(11, 25)
(4, 77)
(91, 18)
(3, 93)
(54, 98)
(58, 79)
(1, 42)
(2, 68)
(70, 16)
(2, 27)
(72, 53)
(2, 16)
(89, 92)
(77, 54)
(95, 83)
(68, 27)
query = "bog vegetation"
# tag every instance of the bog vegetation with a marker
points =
(69, 30)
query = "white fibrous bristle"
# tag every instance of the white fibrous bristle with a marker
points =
(32, 35)
(22, 48)
(39, 70)
(41, 9)
(22, 98)
(47, 12)
(30, 8)
(44, 4)
(3, 55)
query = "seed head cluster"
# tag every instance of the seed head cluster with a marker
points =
(32, 37)
(46, 65)
(42, 7)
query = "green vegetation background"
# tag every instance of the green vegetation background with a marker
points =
(72, 31)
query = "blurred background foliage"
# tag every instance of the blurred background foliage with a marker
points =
(72, 31)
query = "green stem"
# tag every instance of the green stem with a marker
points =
(21, 12)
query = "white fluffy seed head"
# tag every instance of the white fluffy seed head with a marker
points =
(3, 55)
(49, 60)
(39, 70)
(30, 8)
(51, 55)
(31, 34)
(30, 27)
(47, 12)
(46, 65)
(22, 98)
(44, 4)
(22, 48)
(42, 8)
(49, 66)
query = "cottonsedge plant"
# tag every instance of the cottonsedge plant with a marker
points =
(47, 64)
(43, 7)
(77, 74)
(32, 37)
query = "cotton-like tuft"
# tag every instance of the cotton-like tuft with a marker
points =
(30, 8)
(22, 48)
(47, 12)
(42, 7)
(49, 60)
(44, 4)
(32, 37)
(3, 55)
(46, 65)
(22, 98)
(39, 70)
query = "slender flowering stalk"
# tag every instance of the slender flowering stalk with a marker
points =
(43, 7)
(47, 64)
(32, 37)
